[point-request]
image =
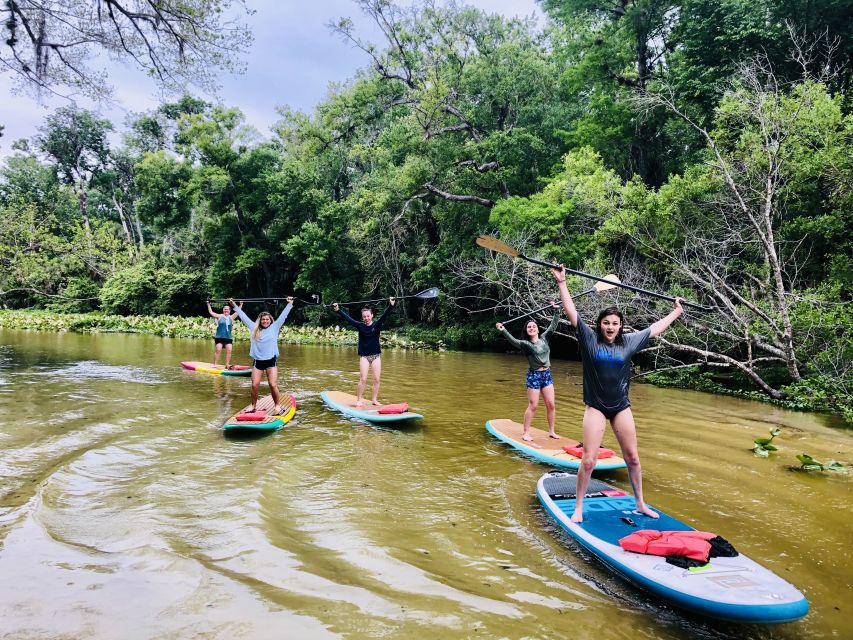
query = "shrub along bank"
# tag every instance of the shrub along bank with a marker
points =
(181, 327)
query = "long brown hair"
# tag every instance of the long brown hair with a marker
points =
(258, 327)
(610, 311)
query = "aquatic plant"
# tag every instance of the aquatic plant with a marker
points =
(810, 464)
(763, 446)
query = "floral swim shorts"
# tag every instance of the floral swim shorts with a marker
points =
(539, 379)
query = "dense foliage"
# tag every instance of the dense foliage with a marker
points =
(703, 148)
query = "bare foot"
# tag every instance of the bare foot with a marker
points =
(647, 512)
(577, 516)
(359, 404)
(553, 435)
(527, 437)
(376, 403)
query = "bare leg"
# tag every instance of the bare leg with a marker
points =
(532, 404)
(257, 374)
(228, 356)
(376, 365)
(551, 409)
(626, 434)
(217, 351)
(363, 370)
(593, 431)
(272, 378)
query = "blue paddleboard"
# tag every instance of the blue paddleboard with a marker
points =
(735, 589)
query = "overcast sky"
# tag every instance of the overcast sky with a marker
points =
(293, 60)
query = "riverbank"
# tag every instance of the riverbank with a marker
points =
(201, 328)
(810, 395)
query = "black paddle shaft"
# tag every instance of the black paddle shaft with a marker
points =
(549, 306)
(426, 294)
(273, 299)
(654, 294)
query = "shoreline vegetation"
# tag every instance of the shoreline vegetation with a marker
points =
(810, 399)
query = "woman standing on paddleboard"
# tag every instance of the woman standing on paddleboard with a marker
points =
(369, 353)
(606, 354)
(264, 350)
(539, 378)
(223, 337)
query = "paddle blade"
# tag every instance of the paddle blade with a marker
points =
(604, 286)
(493, 244)
(427, 294)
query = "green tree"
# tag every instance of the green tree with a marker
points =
(76, 141)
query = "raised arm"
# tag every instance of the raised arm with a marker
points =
(347, 317)
(554, 322)
(663, 324)
(238, 308)
(283, 316)
(211, 311)
(565, 296)
(391, 303)
(511, 338)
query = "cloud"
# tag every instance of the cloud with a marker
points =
(293, 60)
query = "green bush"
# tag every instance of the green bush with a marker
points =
(130, 291)
(179, 292)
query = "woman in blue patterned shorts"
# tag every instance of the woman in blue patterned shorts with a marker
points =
(539, 379)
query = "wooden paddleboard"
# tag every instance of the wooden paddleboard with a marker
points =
(544, 448)
(727, 588)
(269, 422)
(218, 370)
(345, 403)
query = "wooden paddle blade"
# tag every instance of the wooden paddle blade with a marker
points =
(493, 244)
(604, 286)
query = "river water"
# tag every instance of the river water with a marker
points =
(125, 513)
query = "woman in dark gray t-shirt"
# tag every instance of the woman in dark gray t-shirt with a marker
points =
(539, 379)
(606, 356)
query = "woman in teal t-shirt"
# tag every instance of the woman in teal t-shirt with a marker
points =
(223, 337)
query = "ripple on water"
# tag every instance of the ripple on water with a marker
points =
(92, 369)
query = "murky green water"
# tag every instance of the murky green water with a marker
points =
(125, 513)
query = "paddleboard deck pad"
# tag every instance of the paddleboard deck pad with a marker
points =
(218, 370)
(545, 448)
(735, 589)
(345, 403)
(268, 422)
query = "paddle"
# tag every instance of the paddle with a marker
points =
(316, 299)
(426, 294)
(612, 279)
(493, 244)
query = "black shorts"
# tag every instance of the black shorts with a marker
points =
(222, 340)
(609, 414)
(263, 365)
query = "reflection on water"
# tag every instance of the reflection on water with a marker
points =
(125, 512)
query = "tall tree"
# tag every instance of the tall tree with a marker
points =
(76, 141)
(614, 50)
